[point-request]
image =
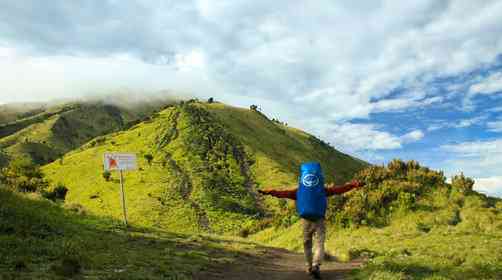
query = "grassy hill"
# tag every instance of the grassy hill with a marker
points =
(42, 240)
(208, 160)
(12, 112)
(408, 223)
(45, 136)
(200, 165)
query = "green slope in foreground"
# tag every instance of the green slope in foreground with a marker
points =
(208, 161)
(408, 223)
(41, 240)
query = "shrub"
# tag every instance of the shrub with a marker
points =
(244, 233)
(462, 183)
(107, 175)
(148, 158)
(395, 187)
(23, 175)
(423, 227)
(67, 267)
(59, 192)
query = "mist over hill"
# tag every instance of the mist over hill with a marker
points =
(45, 132)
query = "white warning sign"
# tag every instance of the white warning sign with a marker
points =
(119, 161)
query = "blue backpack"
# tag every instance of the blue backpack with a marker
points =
(311, 201)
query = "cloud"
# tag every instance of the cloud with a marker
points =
(491, 186)
(495, 109)
(495, 126)
(461, 123)
(412, 136)
(356, 137)
(476, 159)
(327, 62)
(54, 77)
(492, 84)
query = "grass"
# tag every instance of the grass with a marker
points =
(207, 161)
(12, 112)
(46, 136)
(41, 240)
(204, 173)
(425, 243)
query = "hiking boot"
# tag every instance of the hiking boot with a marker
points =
(316, 272)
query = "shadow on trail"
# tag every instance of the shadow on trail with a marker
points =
(275, 264)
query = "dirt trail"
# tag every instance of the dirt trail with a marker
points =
(276, 264)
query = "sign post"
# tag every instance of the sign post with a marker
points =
(124, 211)
(121, 162)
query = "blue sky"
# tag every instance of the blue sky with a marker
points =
(377, 79)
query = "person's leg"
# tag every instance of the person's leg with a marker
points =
(308, 231)
(320, 233)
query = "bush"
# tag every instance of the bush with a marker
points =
(23, 175)
(395, 187)
(107, 175)
(148, 158)
(462, 183)
(59, 192)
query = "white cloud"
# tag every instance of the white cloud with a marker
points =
(462, 123)
(332, 61)
(495, 109)
(476, 159)
(412, 136)
(492, 84)
(495, 126)
(491, 186)
(355, 137)
(45, 78)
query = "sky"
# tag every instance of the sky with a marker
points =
(376, 79)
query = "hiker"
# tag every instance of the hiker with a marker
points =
(311, 202)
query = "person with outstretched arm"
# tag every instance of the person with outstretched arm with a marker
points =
(311, 203)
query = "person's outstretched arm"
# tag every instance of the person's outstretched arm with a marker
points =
(343, 189)
(290, 194)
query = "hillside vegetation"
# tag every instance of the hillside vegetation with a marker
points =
(200, 167)
(41, 240)
(46, 136)
(12, 112)
(408, 223)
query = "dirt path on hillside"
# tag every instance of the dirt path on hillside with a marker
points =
(276, 264)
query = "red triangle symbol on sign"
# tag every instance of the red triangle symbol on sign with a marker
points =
(112, 163)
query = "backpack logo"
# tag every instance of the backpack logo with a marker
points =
(310, 180)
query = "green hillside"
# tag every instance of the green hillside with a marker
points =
(12, 112)
(200, 166)
(41, 240)
(408, 223)
(46, 136)
(207, 162)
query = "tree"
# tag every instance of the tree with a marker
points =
(464, 184)
(59, 192)
(23, 175)
(210, 100)
(107, 175)
(253, 107)
(148, 158)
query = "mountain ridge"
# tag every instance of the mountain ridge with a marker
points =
(205, 167)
